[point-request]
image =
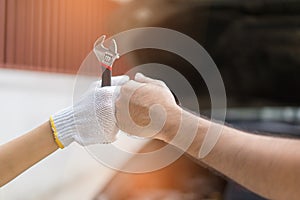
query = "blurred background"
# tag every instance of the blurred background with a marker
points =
(255, 45)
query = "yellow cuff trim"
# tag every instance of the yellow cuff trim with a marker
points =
(58, 142)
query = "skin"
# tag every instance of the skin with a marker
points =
(25, 151)
(266, 165)
(22, 153)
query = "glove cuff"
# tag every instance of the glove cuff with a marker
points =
(63, 126)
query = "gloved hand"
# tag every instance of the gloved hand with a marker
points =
(92, 119)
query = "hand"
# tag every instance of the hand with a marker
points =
(144, 107)
(92, 119)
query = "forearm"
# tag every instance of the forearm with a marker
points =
(266, 165)
(23, 152)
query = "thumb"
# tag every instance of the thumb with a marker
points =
(139, 77)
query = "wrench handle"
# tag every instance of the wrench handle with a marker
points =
(106, 77)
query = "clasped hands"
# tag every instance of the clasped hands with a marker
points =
(139, 107)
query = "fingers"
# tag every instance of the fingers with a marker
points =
(119, 80)
(133, 85)
(112, 91)
(130, 87)
(139, 77)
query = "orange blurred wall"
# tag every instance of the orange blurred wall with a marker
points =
(50, 35)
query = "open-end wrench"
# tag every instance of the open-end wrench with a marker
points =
(106, 57)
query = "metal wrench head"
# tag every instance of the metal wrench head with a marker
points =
(106, 56)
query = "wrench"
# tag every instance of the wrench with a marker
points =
(106, 57)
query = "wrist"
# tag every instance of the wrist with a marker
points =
(172, 124)
(179, 117)
(63, 127)
(54, 133)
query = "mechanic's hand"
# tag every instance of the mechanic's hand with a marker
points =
(92, 119)
(144, 106)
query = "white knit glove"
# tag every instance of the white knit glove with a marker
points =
(92, 119)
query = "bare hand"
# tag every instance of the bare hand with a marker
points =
(144, 107)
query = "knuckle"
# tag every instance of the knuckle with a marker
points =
(161, 83)
(123, 90)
